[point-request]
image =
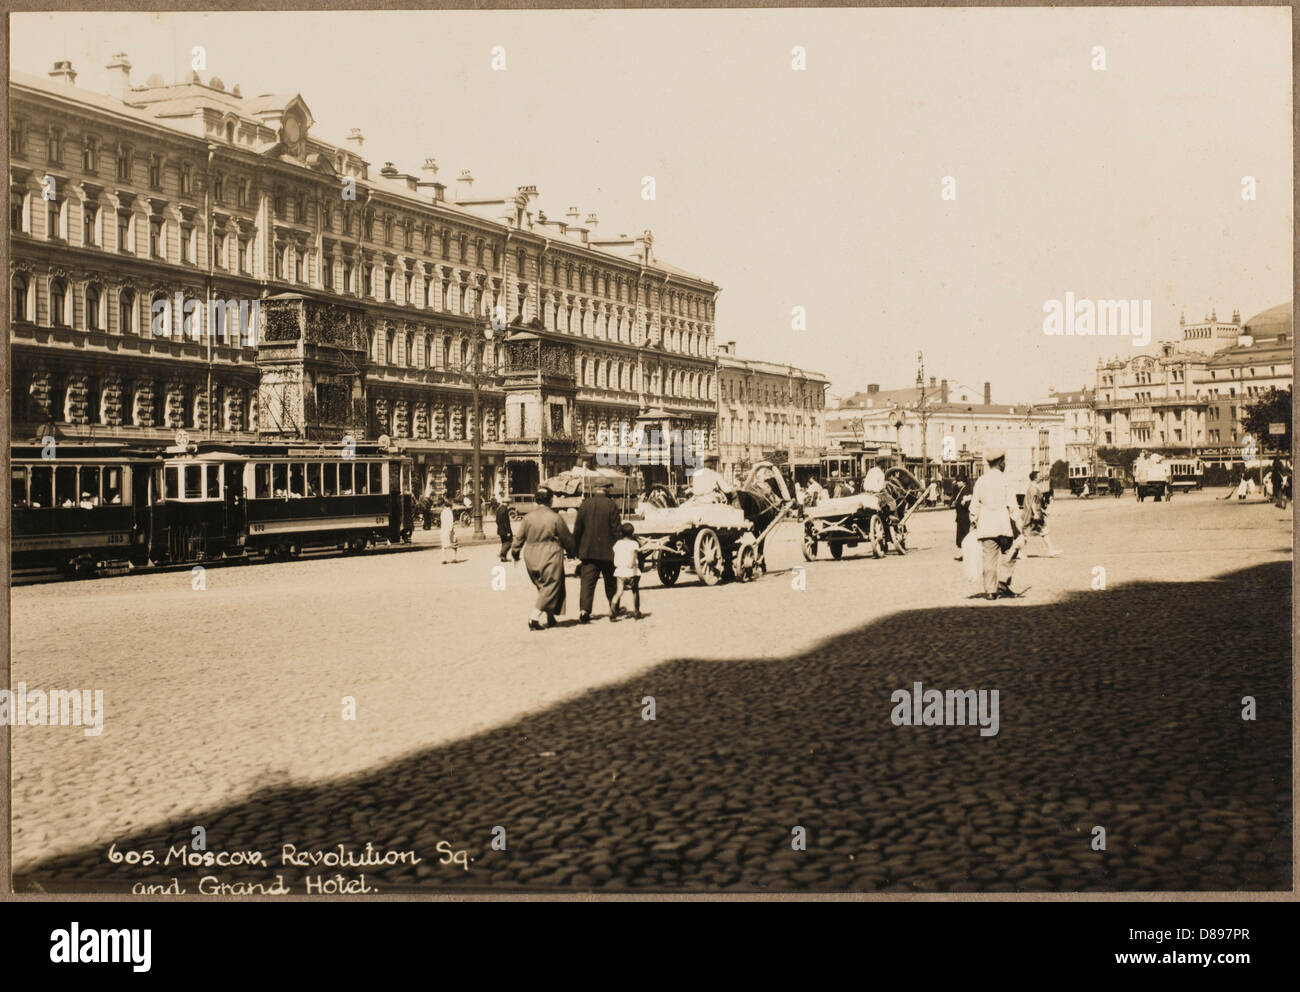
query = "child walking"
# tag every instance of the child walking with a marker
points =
(627, 571)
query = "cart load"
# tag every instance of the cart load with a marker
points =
(716, 535)
(848, 521)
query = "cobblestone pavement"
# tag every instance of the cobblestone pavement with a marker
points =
(1119, 707)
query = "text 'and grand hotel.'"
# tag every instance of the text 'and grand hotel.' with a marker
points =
(378, 302)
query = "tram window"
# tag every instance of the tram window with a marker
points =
(345, 479)
(65, 486)
(112, 485)
(214, 481)
(376, 477)
(280, 480)
(360, 475)
(193, 481)
(19, 476)
(173, 482)
(89, 495)
(331, 480)
(42, 486)
(406, 477)
(295, 480)
(262, 481)
(313, 478)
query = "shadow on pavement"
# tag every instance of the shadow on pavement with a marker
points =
(1120, 709)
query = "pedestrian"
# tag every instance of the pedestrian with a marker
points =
(448, 535)
(544, 539)
(594, 532)
(993, 514)
(627, 571)
(504, 532)
(874, 484)
(962, 499)
(1035, 514)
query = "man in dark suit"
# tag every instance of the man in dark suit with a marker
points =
(505, 533)
(595, 532)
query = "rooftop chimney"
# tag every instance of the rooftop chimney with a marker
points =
(932, 382)
(943, 390)
(572, 216)
(119, 76)
(354, 140)
(63, 70)
(988, 394)
(464, 184)
(389, 170)
(430, 169)
(591, 223)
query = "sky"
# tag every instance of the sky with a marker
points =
(821, 188)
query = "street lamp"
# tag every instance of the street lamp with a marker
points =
(475, 378)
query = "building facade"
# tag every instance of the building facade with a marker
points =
(1189, 397)
(1078, 426)
(178, 250)
(767, 411)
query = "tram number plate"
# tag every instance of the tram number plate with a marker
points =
(259, 528)
(116, 538)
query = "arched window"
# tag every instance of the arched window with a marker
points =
(388, 347)
(444, 357)
(19, 291)
(582, 372)
(94, 308)
(188, 326)
(126, 312)
(410, 350)
(58, 303)
(464, 355)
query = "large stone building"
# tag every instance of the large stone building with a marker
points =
(767, 411)
(1188, 397)
(369, 296)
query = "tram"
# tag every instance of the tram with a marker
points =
(82, 507)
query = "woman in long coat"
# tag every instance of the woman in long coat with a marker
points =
(544, 538)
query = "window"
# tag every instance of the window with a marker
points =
(58, 303)
(245, 256)
(155, 171)
(90, 224)
(124, 163)
(241, 193)
(388, 284)
(330, 486)
(54, 149)
(218, 188)
(93, 299)
(345, 478)
(313, 478)
(156, 238)
(280, 480)
(17, 212)
(17, 136)
(193, 481)
(126, 312)
(41, 488)
(90, 155)
(359, 477)
(296, 480)
(219, 249)
(327, 272)
(262, 481)
(54, 219)
(230, 131)
(297, 265)
(187, 244)
(376, 477)
(18, 291)
(125, 242)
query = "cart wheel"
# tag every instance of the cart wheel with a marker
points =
(668, 571)
(708, 556)
(876, 535)
(837, 549)
(514, 515)
(746, 563)
(809, 547)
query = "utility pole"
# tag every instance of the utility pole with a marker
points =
(475, 376)
(924, 415)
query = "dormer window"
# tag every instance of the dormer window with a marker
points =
(230, 131)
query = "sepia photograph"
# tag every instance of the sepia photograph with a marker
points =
(628, 453)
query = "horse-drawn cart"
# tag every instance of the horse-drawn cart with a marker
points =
(858, 519)
(720, 536)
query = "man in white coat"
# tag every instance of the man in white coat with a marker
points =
(993, 513)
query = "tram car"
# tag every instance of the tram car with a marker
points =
(277, 499)
(82, 507)
(75, 505)
(1186, 474)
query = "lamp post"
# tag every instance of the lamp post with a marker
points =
(475, 376)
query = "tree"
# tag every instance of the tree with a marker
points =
(1119, 457)
(1274, 407)
(1060, 474)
